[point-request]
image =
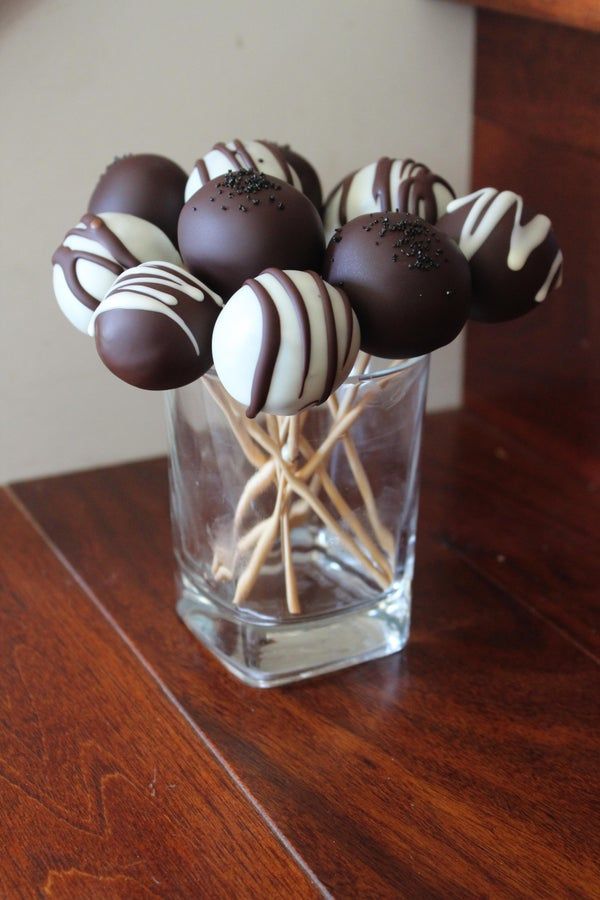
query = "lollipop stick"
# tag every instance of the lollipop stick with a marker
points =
(384, 536)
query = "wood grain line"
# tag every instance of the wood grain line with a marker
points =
(169, 695)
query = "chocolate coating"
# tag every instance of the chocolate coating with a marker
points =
(408, 284)
(311, 184)
(236, 226)
(154, 327)
(401, 185)
(514, 255)
(144, 185)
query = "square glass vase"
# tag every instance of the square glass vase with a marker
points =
(294, 537)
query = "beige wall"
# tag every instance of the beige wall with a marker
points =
(344, 81)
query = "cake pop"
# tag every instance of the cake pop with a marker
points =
(154, 327)
(514, 255)
(259, 156)
(237, 225)
(95, 252)
(144, 185)
(401, 185)
(408, 283)
(284, 341)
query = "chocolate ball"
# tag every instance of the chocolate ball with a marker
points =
(260, 156)
(242, 223)
(143, 185)
(285, 341)
(95, 252)
(408, 283)
(399, 185)
(514, 255)
(311, 184)
(154, 327)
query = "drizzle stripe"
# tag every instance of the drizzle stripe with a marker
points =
(297, 301)
(280, 157)
(243, 154)
(202, 170)
(269, 348)
(330, 334)
(381, 184)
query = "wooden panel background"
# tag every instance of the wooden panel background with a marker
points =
(537, 132)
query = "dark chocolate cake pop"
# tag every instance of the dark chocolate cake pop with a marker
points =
(239, 224)
(154, 327)
(400, 185)
(311, 184)
(143, 185)
(408, 284)
(514, 256)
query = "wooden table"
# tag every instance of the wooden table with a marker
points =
(133, 766)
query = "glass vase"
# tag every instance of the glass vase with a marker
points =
(295, 536)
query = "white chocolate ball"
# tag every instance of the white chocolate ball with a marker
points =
(93, 255)
(263, 156)
(285, 341)
(388, 185)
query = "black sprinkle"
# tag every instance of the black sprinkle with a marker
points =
(224, 207)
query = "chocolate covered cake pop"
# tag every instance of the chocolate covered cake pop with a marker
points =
(144, 185)
(514, 256)
(154, 327)
(95, 252)
(408, 283)
(260, 156)
(284, 342)
(401, 185)
(309, 179)
(237, 225)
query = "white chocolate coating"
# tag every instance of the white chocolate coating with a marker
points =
(235, 155)
(141, 239)
(240, 336)
(361, 194)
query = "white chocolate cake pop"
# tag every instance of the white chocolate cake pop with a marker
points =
(388, 185)
(95, 252)
(261, 156)
(285, 341)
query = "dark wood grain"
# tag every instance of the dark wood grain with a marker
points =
(463, 767)
(105, 790)
(577, 13)
(536, 132)
(528, 523)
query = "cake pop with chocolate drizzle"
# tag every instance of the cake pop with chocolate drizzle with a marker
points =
(401, 185)
(234, 156)
(514, 255)
(285, 341)
(95, 252)
(154, 327)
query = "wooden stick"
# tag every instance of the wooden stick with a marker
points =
(251, 451)
(384, 536)
(349, 516)
(248, 577)
(290, 452)
(256, 485)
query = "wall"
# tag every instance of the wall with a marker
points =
(344, 82)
